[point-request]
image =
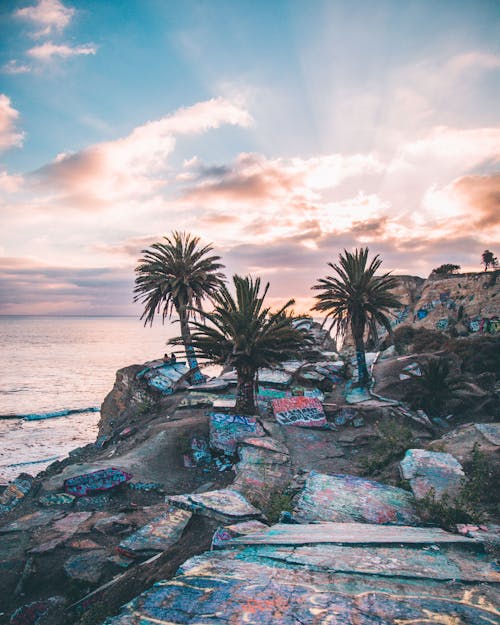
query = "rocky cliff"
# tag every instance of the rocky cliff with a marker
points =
(464, 303)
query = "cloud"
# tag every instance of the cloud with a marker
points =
(482, 196)
(47, 15)
(9, 136)
(29, 285)
(253, 177)
(473, 60)
(134, 165)
(15, 67)
(10, 183)
(47, 51)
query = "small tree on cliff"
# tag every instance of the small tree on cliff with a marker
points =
(243, 333)
(174, 275)
(445, 269)
(488, 258)
(354, 298)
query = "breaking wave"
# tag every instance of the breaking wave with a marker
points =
(37, 416)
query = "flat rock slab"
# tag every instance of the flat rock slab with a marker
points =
(429, 471)
(351, 534)
(88, 483)
(267, 443)
(442, 564)
(241, 588)
(490, 431)
(198, 400)
(224, 504)
(226, 431)
(344, 498)
(57, 499)
(32, 521)
(87, 567)
(299, 411)
(223, 535)
(157, 535)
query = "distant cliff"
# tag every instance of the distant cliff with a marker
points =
(466, 303)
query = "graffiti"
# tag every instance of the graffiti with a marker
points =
(345, 498)
(198, 400)
(57, 499)
(226, 431)
(430, 470)
(88, 483)
(15, 492)
(274, 376)
(422, 313)
(157, 535)
(442, 324)
(475, 324)
(164, 377)
(225, 504)
(299, 411)
(344, 416)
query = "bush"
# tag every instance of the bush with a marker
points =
(468, 505)
(478, 354)
(446, 269)
(422, 339)
(394, 439)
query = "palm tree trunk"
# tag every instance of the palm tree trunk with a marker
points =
(245, 393)
(196, 376)
(363, 375)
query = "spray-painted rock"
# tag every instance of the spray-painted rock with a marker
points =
(157, 535)
(344, 498)
(15, 492)
(226, 430)
(89, 483)
(430, 471)
(299, 411)
(313, 584)
(225, 505)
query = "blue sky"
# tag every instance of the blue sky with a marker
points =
(280, 131)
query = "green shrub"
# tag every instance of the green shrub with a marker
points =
(394, 439)
(278, 503)
(467, 506)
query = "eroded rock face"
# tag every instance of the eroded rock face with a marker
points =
(343, 498)
(460, 442)
(429, 471)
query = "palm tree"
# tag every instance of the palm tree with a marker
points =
(174, 275)
(354, 298)
(243, 333)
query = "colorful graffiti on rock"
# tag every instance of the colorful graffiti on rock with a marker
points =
(89, 483)
(226, 430)
(299, 411)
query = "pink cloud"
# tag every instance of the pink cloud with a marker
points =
(482, 195)
(133, 165)
(9, 136)
(47, 51)
(47, 15)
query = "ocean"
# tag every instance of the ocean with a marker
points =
(63, 366)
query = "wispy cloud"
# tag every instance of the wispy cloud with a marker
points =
(15, 67)
(47, 16)
(48, 51)
(10, 136)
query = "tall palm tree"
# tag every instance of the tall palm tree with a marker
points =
(355, 298)
(243, 333)
(173, 276)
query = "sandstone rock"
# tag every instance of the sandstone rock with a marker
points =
(87, 567)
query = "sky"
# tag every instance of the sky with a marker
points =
(283, 132)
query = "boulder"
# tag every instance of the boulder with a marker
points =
(343, 498)
(224, 505)
(226, 431)
(431, 472)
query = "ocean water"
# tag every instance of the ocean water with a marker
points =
(66, 366)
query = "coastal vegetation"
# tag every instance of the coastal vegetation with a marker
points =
(242, 332)
(356, 299)
(172, 276)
